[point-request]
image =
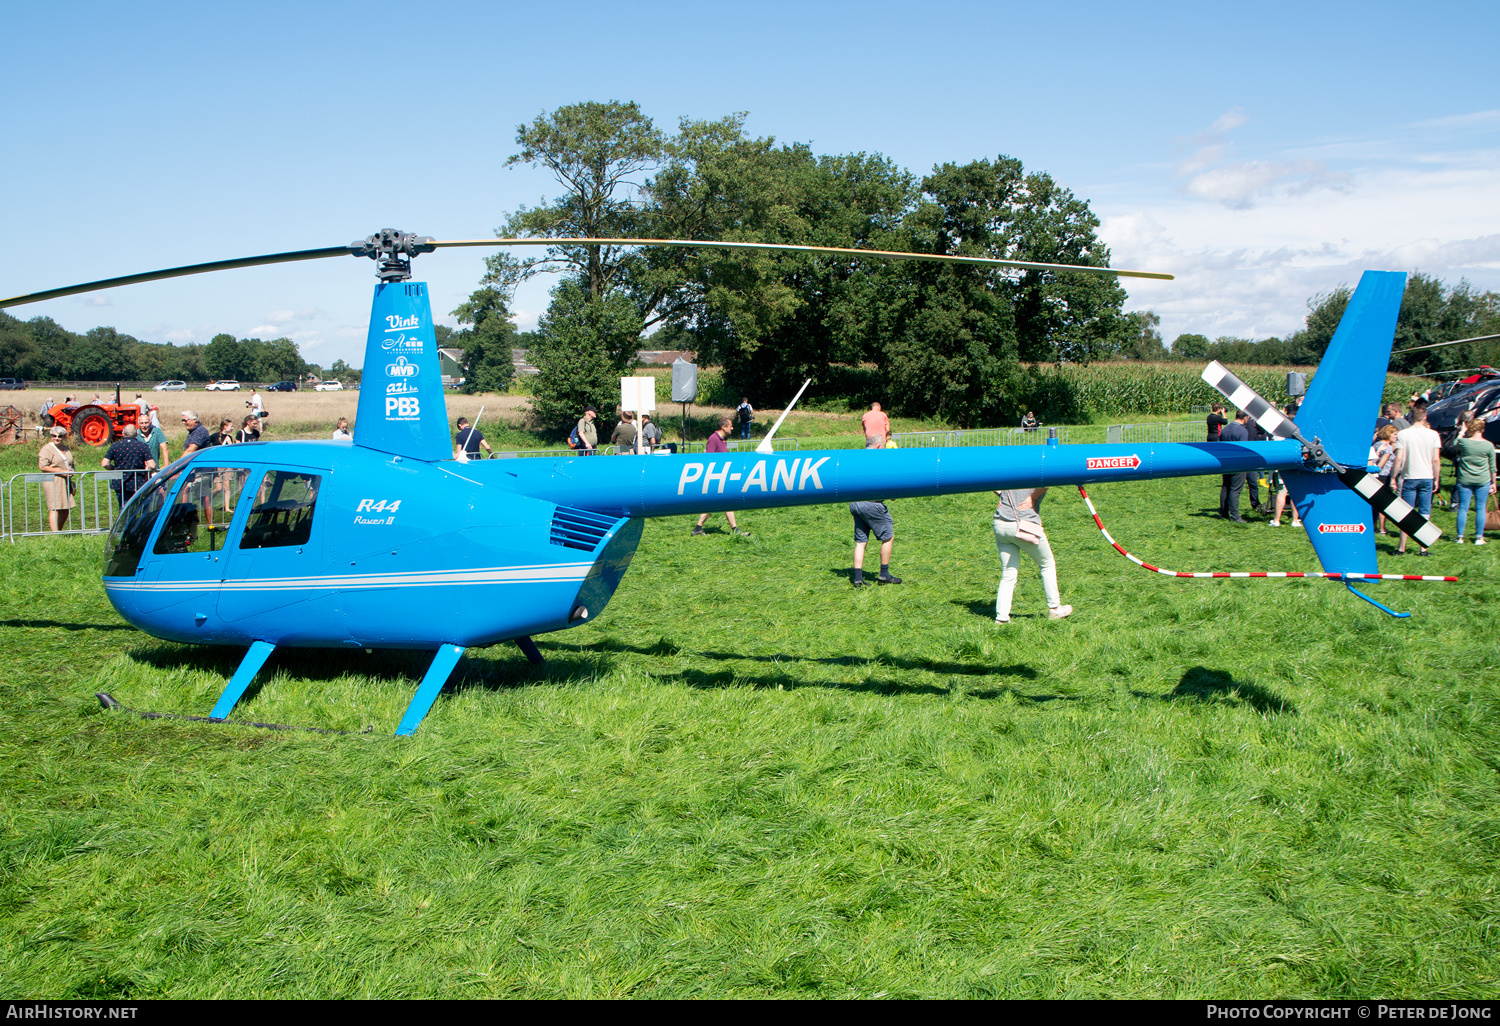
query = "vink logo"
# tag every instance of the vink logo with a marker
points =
(402, 368)
(395, 322)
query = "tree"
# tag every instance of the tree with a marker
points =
(50, 343)
(594, 150)
(1323, 314)
(16, 352)
(488, 363)
(582, 348)
(224, 357)
(101, 354)
(1190, 347)
(1142, 340)
(341, 371)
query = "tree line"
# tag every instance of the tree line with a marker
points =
(1431, 312)
(41, 349)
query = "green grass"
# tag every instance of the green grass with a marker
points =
(747, 779)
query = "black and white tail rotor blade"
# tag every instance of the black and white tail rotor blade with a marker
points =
(1274, 423)
(1383, 500)
(1261, 410)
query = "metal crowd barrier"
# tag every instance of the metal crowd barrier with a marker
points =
(978, 436)
(24, 504)
(743, 445)
(1177, 431)
(734, 445)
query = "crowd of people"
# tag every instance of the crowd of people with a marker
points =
(1405, 453)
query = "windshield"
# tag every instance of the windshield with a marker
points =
(127, 541)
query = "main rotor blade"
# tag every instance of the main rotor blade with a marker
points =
(1025, 265)
(332, 251)
(1262, 411)
(1439, 345)
(177, 272)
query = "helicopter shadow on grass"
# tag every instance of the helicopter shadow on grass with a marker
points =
(667, 648)
(1201, 685)
(781, 679)
(399, 666)
(60, 625)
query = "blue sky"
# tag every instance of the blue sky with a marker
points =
(1263, 156)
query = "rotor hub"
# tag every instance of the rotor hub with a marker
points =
(392, 250)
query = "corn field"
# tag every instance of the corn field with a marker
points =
(1154, 389)
(1067, 394)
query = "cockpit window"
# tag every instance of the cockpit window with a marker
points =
(283, 510)
(127, 541)
(201, 511)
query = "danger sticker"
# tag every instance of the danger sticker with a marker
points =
(1341, 528)
(1114, 462)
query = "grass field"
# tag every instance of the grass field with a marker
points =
(748, 779)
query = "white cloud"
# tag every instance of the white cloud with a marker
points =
(1241, 184)
(1252, 241)
(98, 300)
(261, 331)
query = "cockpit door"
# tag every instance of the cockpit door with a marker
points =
(272, 557)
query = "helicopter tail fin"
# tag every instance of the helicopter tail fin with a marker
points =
(1345, 393)
(1338, 412)
(402, 410)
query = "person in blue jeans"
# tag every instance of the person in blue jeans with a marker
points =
(746, 414)
(1475, 466)
(1417, 451)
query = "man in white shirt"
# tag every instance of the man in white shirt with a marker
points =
(1418, 449)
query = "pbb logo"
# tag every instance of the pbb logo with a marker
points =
(402, 368)
(402, 408)
(1341, 528)
(1114, 462)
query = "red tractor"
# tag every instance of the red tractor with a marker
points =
(93, 423)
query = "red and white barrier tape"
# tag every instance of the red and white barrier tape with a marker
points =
(1248, 573)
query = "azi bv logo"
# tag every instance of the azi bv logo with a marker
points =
(783, 478)
(404, 406)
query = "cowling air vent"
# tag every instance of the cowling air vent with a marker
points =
(580, 529)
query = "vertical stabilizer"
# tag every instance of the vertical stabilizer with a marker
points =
(1344, 397)
(401, 406)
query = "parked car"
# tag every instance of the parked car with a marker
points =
(11, 383)
(282, 386)
(222, 386)
(170, 386)
(329, 386)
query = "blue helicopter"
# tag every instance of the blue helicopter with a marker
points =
(389, 542)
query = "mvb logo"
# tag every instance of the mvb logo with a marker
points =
(402, 368)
